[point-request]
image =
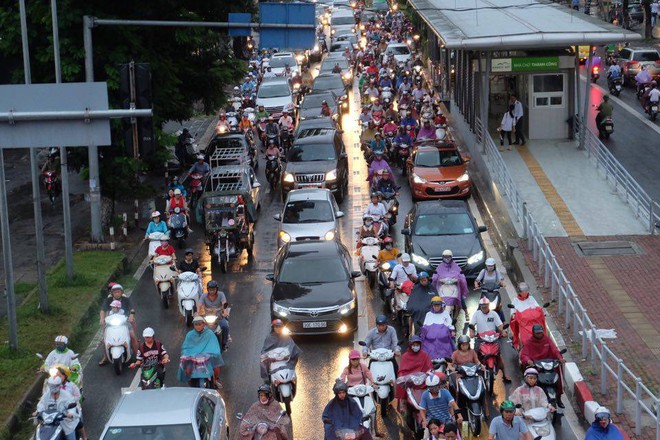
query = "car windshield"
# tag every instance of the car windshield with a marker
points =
(331, 82)
(398, 50)
(311, 153)
(282, 62)
(443, 224)
(306, 269)
(340, 46)
(226, 142)
(328, 65)
(338, 21)
(315, 101)
(646, 56)
(307, 211)
(438, 158)
(164, 432)
(273, 90)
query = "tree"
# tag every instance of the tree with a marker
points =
(648, 28)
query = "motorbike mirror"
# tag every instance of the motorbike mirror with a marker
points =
(483, 229)
(518, 405)
(278, 217)
(72, 405)
(471, 326)
(173, 269)
(546, 305)
(365, 418)
(270, 277)
(39, 355)
(511, 306)
(355, 274)
(505, 326)
(256, 185)
(362, 343)
(563, 350)
(327, 421)
(339, 214)
(405, 231)
(203, 268)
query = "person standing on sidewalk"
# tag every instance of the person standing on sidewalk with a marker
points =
(506, 126)
(518, 120)
(575, 4)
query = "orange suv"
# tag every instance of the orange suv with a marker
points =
(438, 171)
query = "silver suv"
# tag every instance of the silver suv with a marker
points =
(631, 60)
(309, 214)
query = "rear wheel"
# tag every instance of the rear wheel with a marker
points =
(117, 366)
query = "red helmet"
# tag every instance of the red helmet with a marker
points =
(388, 240)
(407, 287)
(277, 323)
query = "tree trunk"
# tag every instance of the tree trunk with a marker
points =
(648, 29)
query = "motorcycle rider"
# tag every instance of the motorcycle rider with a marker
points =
(365, 115)
(449, 269)
(490, 279)
(117, 294)
(529, 395)
(382, 336)
(378, 163)
(61, 354)
(174, 184)
(277, 338)
(602, 428)
(437, 314)
(266, 410)
(524, 300)
(64, 372)
(52, 163)
(56, 397)
(201, 340)
(200, 167)
(464, 355)
(269, 73)
(403, 137)
(377, 107)
(438, 431)
(613, 73)
(409, 120)
(272, 150)
(261, 112)
(285, 122)
(215, 299)
(414, 360)
(368, 229)
(420, 299)
(427, 131)
(189, 263)
(152, 353)
(223, 124)
(403, 272)
(377, 144)
(166, 250)
(377, 210)
(389, 252)
(437, 402)
(155, 225)
(642, 78)
(273, 130)
(540, 346)
(508, 426)
(325, 109)
(488, 320)
(653, 95)
(386, 184)
(180, 150)
(343, 413)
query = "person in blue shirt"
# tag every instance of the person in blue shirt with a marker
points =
(155, 225)
(437, 402)
(409, 120)
(602, 428)
(385, 81)
(378, 143)
(403, 137)
(175, 184)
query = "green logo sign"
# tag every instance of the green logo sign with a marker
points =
(530, 64)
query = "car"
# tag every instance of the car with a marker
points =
(331, 82)
(433, 226)
(400, 52)
(310, 107)
(342, 30)
(341, 46)
(437, 171)
(276, 94)
(317, 159)
(380, 6)
(326, 123)
(631, 60)
(309, 214)
(328, 65)
(240, 178)
(279, 60)
(347, 36)
(314, 288)
(168, 413)
(342, 17)
(232, 149)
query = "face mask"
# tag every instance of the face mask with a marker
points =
(416, 348)
(368, 223)
(446, 259)
(388, 247)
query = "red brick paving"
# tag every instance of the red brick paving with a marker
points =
(639, 275)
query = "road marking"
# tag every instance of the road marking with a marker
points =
(140, 270)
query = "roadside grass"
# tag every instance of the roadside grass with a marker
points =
(72, 305)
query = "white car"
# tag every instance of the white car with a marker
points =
(400, 52)
(276, 94)
(279, 60)
(309, 214)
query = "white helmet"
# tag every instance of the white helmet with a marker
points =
(602, 412)
(200, 157)
(155, 214)
(405, 257)
(447, 253)
(490, 262)
(432, 381)
(62, 339)
(177, 192)
(148, 333)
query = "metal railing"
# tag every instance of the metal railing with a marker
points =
(642, 205)
(569, 309)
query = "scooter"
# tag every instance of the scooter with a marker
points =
(188, 295)
(49, 427)
(415, 385)
(539, 423)
(398, 308)
(362, 395)
(392, 205)
(381, 365)
(615, 86)
(76, 375)
(548, 380)
(155, 239)
(470, 395)
(386, 93)
(149, 379)
(489, 353)
(163, 277)
(595, 74)
(117, 341)
(213, 318)
(368, 259)
(449, 292)
(402, 154)
(282, 375)
(273, 170)
(195, 189)
(199, 369)
(606, 128)
(495, 299)
(652, 110)
(52, 185)
(179, 226)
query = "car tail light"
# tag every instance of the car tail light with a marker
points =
(657, 62)
(630, 64)
(596, 70)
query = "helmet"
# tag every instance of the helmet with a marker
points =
(463, 339)
(116, 286)
(490, 262)
(177, 192)
(415, 339)
(447, 253)
(537, 328)
(277, 323)
(155, 214)
(602, 413)
(531, 372)
(212, 284)
(115, 303)
(375, 193)
(197, 319)
(66, 371)
(339, 386)
(367, 217)
(354, 354)
(148, 333)
(378, 152)
(188, 251)
(432, 381)
(61, 339)
(484, 301)
(264, 388)
(606, 98)
(423, 275)
(387, 240)
(54, 383)
(381, 320)
(200, 157)
(507, 405)
(405, 257)
(386, 171)
(437, 300)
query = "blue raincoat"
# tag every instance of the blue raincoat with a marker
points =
(199, 345)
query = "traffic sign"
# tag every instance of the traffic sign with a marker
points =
(236, 17)
(287, 14)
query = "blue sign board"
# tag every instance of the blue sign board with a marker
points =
(287, 13)
(235, 17)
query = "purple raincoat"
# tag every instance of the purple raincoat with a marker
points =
(450, 271)
(437, 341)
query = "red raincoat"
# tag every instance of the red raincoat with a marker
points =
(412, 362)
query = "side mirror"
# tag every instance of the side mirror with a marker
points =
(356, 274)
(518, 405)
(72, 405)
(482, 229)
(546, 305)
(278, 217)
(471, 326)
(173, 269)
(40, 356)
(505, 326)
(405, 231)
(362, 343)
(339, 214)
(256, 185)
(563, 350)
(511, 306)
(270, 277)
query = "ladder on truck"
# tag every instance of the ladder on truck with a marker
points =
(228, 178)
(228, 156)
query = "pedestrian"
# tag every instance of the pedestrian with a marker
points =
(506, 126)
(655, 9)
(518, 120)
(576, 4)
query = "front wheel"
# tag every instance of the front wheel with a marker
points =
(371, 276)
(117, 365)
(189, 318)
(165, 298)
(224, 265)
(287, 404)
(474, 424)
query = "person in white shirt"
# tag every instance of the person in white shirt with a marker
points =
(487, 320)
(61, 355)
(377, 211)
(438, 314)
(654, 93)
(269, 73)
(518, 118)
(403, 272)
(523, 300)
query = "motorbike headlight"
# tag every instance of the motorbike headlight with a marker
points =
(542, 431)
(288, 177)
(347, 75)
(331, 175)
(300, 58)
(330, 235)
(464, 177)
(385, 266)
(296, 86)
(210, 319)
(419, 260)
(344, 104)
(115, 321)
(417, 179)
(492, 306)
(279, 310)
(344, 309)
(285, 237)
(316, 48)
(474, 259)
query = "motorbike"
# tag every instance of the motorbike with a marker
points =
(495, 299)
(398, 307)
(384, 272)
(378, 119)
(539, 423)
(368, 256)
(450, 295)
(155, 238)
(236, 103)
(415, 385)
(363, 396)
(273, 170)
(287, 139)
(195, 189)
(188, 292)
(470, 395)
(615, 86)
(522, 322)
(179, 226)
(548, 380)
(261, 130)
(75, 377)
(606, 128)
(149, 379)
(652, 110)
(198, 368)
(117, 341)
(282, 377)
(489, 353)
(163, 277)
(386, 94)
(52, 185)
(392, 205)
(595, 74)
(402, 154)
(641, 88)
(381, 365)
(192, 150)
(49, 427)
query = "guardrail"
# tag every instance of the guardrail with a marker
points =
(644, 207)
(569, 309)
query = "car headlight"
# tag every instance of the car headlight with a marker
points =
(331, 175)
(474, 259)
(300, 58)
(288, 177)
(279, 310)
(285, 237)
(344, 309)
(330, 235)
(419, 260)
(417, 179)
(347, 75)
(464, 177)
(316, 48)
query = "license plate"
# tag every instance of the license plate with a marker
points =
(315, 324)
(442, 190)
(618, 87)
(654, 108)
(310, 185)
(609, 128)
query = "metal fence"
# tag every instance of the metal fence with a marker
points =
(644, 207)
(569, 309)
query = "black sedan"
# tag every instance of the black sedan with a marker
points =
(331, 82)
(433, 226)
(314, 288)
(310, 107)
